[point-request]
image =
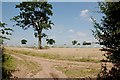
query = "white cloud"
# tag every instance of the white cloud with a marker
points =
(84, 13)
(81, 34)
(71, 30)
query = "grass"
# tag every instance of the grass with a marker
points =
(53, 56)
(77, 72)
(10, 64)
(78, 59)
(44, 55)
(31, 66)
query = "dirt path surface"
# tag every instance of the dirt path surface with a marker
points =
(48, 69)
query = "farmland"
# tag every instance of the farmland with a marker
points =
(56, 62)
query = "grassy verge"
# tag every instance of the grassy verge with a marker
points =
(53, 56)
(10, 65)
(77, 72)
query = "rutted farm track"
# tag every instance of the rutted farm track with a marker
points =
(47, 70)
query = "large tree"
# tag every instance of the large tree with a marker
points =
(108, 34)
(36, 15)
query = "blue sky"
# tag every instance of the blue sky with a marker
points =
(71, 21)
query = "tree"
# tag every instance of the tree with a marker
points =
(36, 15)
(95, 42)
(78, 44)
(23, 41)
(86, 43)
(4, 30)
(108, 34)
(50, 41)
(74, 42)
(39, 0)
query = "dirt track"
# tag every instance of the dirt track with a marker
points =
(48, 70)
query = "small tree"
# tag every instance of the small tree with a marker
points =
(74, 42)
(23, 42)
(50, 41)
(78, 44)
(86, 43)
(65, 45)
(36, 15)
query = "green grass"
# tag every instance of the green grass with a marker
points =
(78, 72)
(53, 56)
(10, 64)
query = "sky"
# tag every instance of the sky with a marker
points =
(71, 22)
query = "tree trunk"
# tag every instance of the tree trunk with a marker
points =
(39, 41)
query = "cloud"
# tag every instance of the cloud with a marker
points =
(81, 34)
(84, 13)
(71, 30)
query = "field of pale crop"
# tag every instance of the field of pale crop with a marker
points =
(76, 53)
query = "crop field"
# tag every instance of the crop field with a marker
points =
(56, 62)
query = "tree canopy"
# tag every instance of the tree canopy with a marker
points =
(50, 41)
(108, 34)
(36, 15)
(74, 42)
(4, 30)
(86, 43)
(23, 41)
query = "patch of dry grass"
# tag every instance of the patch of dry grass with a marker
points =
(73, 71)
(32, 67)
(56, 56)
(93, 53)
